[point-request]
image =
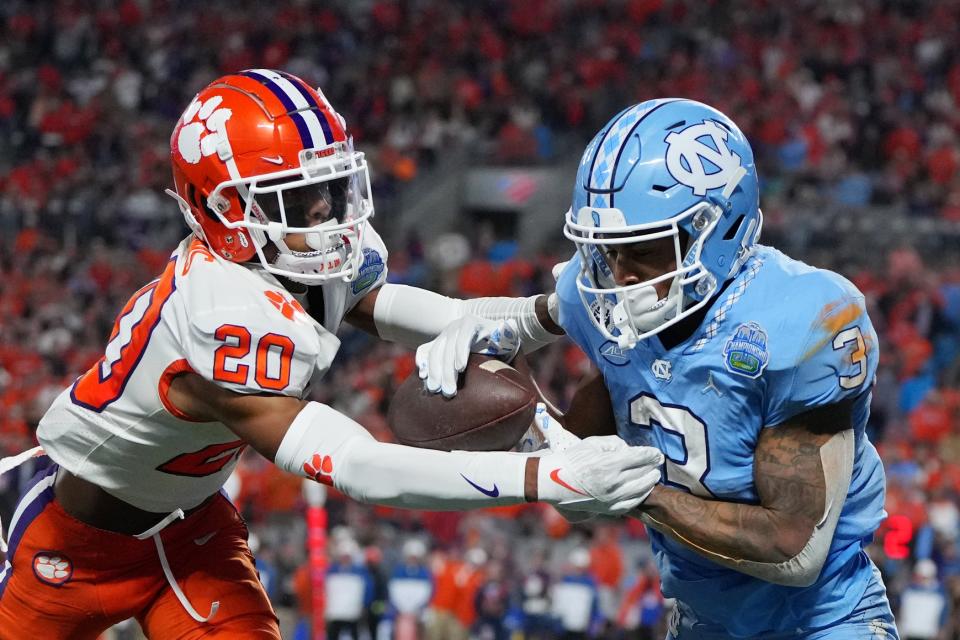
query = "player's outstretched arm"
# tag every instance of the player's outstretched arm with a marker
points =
(411, 315)
(455, 328)
(802, 472)
(602, 475)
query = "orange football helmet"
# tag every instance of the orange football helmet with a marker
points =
(259, 155)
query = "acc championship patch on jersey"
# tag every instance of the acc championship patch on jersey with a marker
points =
(746, 351)
(370, 270)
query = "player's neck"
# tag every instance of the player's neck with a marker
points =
(672, 336)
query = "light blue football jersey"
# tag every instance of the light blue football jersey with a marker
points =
(781, 339)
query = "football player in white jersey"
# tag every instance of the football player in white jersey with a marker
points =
(219, 353)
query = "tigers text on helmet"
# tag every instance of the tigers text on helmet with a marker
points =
(668, 168)
(259, 156)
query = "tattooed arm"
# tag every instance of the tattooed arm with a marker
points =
(802, 472)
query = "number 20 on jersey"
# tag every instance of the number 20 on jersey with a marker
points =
(274, 354)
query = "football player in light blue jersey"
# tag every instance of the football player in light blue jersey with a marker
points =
(750, 371)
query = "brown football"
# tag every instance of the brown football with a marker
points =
(493, 407)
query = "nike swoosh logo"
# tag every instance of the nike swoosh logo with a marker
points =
(275, 160)
(493, 493)
(555, 476)
(204, 539)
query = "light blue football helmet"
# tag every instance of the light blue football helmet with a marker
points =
(654, 169)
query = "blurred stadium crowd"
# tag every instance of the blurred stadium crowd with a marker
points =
(850, 107)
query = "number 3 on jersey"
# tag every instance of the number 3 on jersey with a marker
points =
(272, 361)
(688, 470)
(105, 381)
(858, 357)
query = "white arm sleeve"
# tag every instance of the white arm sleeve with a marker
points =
(411, 316)
(803, 569)
(392, 474)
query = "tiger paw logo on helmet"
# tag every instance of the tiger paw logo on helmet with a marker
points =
(200, 139)
(52, 568)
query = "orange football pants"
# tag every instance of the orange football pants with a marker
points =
(67, 580)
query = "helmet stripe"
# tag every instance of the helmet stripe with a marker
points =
(592, 198)
(307, 107)
(305, 92)
(300, 111)
(639, 117)
(301, 124)
(609, 150)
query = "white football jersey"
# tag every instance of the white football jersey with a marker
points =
(233, 324)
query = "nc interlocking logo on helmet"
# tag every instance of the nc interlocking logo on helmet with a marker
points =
(689, 157)
(661, 170)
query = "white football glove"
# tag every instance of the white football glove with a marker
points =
(548, 433)
(643, 478)
(441, 360)
(600, 474)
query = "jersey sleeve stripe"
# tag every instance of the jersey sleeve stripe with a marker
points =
(163, 388)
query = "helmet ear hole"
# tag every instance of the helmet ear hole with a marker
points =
(195, 198)
(732, 231)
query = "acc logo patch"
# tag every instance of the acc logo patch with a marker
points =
(52, 567)
(746, 351)
(370, 270)
(613, 354)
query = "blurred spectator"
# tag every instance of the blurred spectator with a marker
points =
(379, 594)
(469, 581)
(410, 589)
(302, 592)
(349, 588)
(930, 421)
(642, 608)
(606, 566)
(923, 605)
(492, 603)
(538, 623)
(454, 601)
(575, 598)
